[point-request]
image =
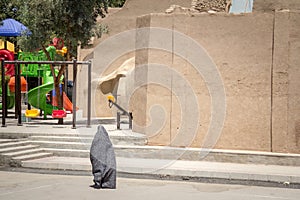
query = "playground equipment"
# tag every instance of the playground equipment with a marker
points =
(37, 96)
(8, 72)
(34, 66)
(46, 87)
(32, 113)
(12, 83)
(9, 28)
(8, 55)
(13, 28)
(112, 102)
(7, 45)
(59, 114)
(10, 100)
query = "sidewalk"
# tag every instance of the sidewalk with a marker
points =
(268, 175)
(160, 165)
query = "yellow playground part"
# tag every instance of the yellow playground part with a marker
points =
(9, 46)
(32, 113)
(111, 98)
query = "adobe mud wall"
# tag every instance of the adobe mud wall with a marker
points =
(257, 56)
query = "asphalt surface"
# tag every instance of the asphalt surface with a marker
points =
(16, 185)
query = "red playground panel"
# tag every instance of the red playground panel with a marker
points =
(59, 114)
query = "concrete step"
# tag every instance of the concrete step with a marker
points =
(17, 148)
(13, 144)
(64, 133)
(118, 139)
(69, 152)
(210, 155)
(62, 145)
(7, 140)
(23, 152)
(74, 138)
(58, 163)
(72, 149)
(32, 156)
(87, 139)
(82, 143)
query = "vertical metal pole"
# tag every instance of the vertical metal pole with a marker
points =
(16, 89)
(3, 93)
(118, 120)
(6, 89)
(74, 93)
(18, 94)
(130, 120)
(65, 80)
(89, 94)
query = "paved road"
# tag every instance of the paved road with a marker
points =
(16, 185)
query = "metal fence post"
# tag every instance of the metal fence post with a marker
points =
(18, 94)
(74, 93)
(89, 94)
(3, 93)
(118, 120)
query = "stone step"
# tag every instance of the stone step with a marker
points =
(211, 155)
(81, 149)
(87, 139)
(23, 152)
(71, 149)
(17, 148)
(58, 163)
(68, 152)
(62, 145)
(7, 140)
(61, 138)
(13, 144)
(32, 156)
(117, 136)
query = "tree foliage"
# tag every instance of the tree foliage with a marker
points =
(9, 9)
(74, 21)
(116, 3)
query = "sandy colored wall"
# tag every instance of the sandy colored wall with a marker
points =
(125, 19)
(119, 20)
(256, 55)
(271, 5)
(286, 90)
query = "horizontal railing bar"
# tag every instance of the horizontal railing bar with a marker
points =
(46, 62)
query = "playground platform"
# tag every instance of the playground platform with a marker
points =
(46, 147)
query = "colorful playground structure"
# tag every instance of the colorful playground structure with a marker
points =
(31, 74)
(37, 84)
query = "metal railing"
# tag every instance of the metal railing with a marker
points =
(112, 102)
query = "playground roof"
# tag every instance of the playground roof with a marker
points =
(13, 28)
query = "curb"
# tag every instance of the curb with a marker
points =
(160, 177)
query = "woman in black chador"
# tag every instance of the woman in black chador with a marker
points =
(103, 160)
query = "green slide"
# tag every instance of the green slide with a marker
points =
(10, 102)
(37, 97)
